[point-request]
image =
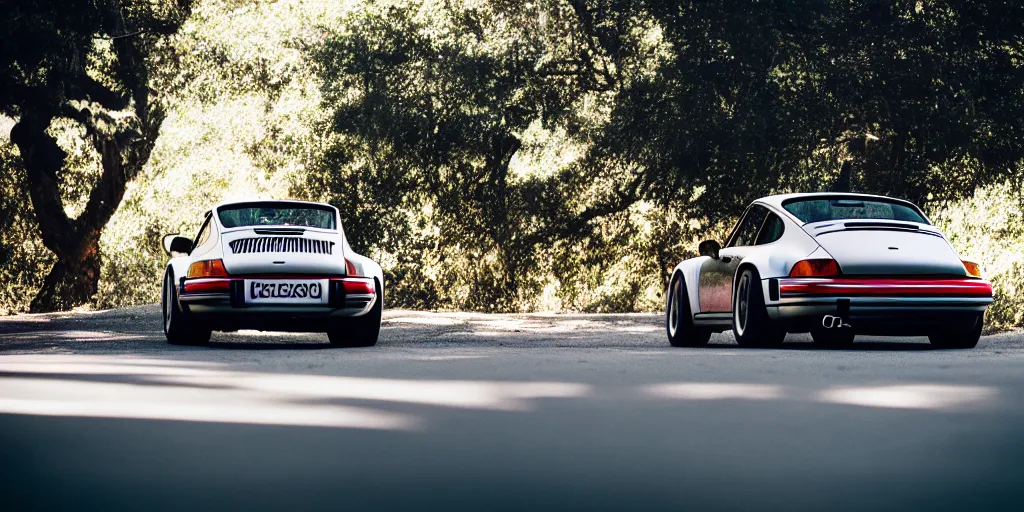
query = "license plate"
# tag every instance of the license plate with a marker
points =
(286, 291)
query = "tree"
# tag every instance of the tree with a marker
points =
(88, 61)
(908, 98)
(432, 108)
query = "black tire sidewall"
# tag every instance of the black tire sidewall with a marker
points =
(687, 334)
(362, 331)
(180, 329)
(968, 338)
(671, 299)
(758, 331)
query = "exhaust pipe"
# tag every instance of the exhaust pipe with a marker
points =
(833, 322)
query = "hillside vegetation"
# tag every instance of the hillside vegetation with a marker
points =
(547, 155)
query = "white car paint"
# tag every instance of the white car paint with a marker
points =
(275, 254)
(890, 248)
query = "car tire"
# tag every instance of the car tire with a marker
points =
(833, 338)
(678, 318)
(180, 327)
(361, 331)
(964, 338)
(750, 322)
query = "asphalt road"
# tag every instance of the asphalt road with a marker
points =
(495, 412)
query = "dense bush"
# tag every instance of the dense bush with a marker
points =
(989, 229)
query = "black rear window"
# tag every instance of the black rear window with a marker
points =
(279, 214)
(818, 209)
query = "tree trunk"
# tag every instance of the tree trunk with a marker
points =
(74, 279)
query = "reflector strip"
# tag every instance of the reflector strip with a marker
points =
(803, 287)
(353, 285)
(358, 287)
(203, 286)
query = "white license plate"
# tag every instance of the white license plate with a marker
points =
(286, 291)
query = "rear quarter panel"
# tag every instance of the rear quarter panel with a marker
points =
(690, 270)
(777, 258)
(365, 266)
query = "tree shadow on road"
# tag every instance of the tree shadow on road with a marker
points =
(249, 345)
(871, 345)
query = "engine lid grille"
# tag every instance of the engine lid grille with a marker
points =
(281, 244)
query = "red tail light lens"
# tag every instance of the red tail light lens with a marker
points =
(208, 268)
(359, 287)
(815, 268)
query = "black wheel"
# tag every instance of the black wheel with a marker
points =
(750, 322)
(360, 331)
(967, 337)
(679, 320)
(180, 327)
(833, 338)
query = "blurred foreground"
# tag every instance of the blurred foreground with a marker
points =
(472, 411)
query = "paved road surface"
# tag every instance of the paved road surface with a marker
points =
(494, 412)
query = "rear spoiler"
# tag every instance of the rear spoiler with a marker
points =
(872, 226)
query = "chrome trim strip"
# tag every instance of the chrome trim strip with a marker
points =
(203, 296)
(884, 301)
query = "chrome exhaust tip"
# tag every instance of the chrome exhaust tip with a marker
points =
(832, 322)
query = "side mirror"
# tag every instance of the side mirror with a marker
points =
(709, 248)
(175, 244)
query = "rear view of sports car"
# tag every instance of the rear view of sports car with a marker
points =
(834, 265)
(271, 265)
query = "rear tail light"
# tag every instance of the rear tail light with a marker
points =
(207, 268)
(973, 269)
(359, 287)
(815, 268)
(350, 269)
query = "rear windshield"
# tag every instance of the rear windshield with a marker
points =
(839, 208)
(240, 215)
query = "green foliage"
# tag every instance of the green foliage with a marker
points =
(989, 228)
(242, 120)
(555, 154)
(23, 259)
(81, 68)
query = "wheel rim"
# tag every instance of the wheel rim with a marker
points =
(742, 304)
(673, 308)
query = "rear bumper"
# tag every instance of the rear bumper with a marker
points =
(220, 302)
(879, 306)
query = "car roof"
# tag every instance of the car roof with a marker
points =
(778, 199)
(283, 201)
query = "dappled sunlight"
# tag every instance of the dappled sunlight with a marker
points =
(471, 325)
(201, 409)
(270, 334)
(447, 358)
(424, 320)
(916, 396)
(98, 365)
(507, 396)
(487, 334)
(60, 363)
(925, 396)
(35, 319)
(715, 391)
(67, 335)
(112, 387)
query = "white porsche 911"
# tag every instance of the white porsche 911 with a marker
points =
(834, 265)
(271, 265)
